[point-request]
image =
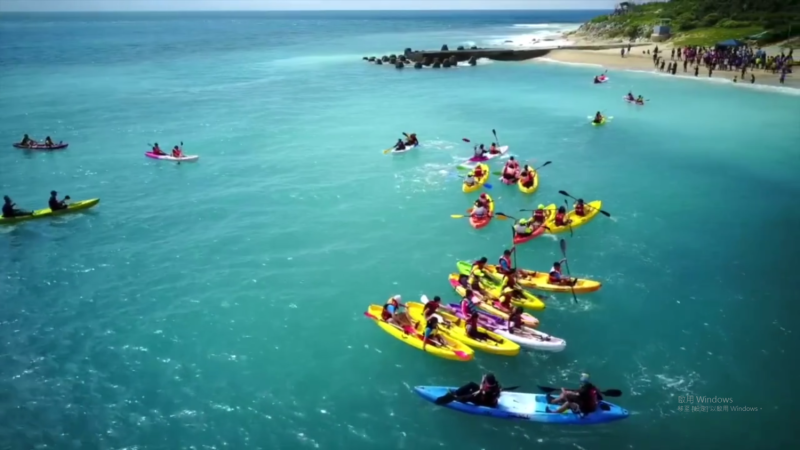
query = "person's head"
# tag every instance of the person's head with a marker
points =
(490, 379)
(477, 203)
(540, 207)
(517, 311)
(580, 201)
(413, 135)
(471, 174)
(436, 299)
(511, 159)
(585, 378)
(557, 265)
(399, 140)
(47, 138)
(6, 199)
(155, 145)
(506, 252)
(598, 113)
(53, 193)
(483, 260)
(484, 196)
(562, 209)
(481, 146)
(396, 300)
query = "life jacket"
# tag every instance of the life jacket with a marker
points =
(490, 393)
(475, 265)
(493, 148)
(484, 202)
(552, 277)
(538, 215)
(579, 209)
(560, 219)
(429, 309)
(385, 314)
(515, 320)
(588, 399)
(505, 258)
(468, 308)
(478, 172)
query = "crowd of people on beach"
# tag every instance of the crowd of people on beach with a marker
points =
(739, 59)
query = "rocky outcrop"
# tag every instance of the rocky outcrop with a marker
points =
(446, 64)
(444, 48)
(379, 62)
(426, 61)
(418, 65)
(474, 47)
(399, 65)
(614, 29)
(460, 47)
(472, 61)
(436, 63)
(371, 59)
(385, 58)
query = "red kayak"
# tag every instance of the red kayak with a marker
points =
(523, 239)
(59, 146)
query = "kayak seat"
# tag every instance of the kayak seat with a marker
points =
(605, 407)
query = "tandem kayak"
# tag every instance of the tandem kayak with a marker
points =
(592, 210)
(600, 80)
(492, 287)
(455, 328)
(521, 239)
(481, 222)
(478, 181)
(454, 351)
(489, 156)
(489, 302)
(47, 212)
(532, 188)
(187, 158)
(527, 337)
(540, 280)
(59, 146)
(633, 102)
(405, 150)
(525, 406)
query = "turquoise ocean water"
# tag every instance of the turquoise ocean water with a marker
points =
(219, 305)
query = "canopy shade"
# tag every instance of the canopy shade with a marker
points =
(731, 43)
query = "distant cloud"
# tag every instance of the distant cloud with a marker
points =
(284, 5)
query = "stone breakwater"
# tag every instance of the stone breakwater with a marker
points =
(445, 57)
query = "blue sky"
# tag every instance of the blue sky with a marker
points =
(233, 5)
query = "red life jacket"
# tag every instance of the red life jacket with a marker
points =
(579, 209)
(538, 215)
(429, 308)
(560, 219)
(507, 259)
(553, 279)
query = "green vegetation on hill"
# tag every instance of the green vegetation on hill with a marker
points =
(704, 22)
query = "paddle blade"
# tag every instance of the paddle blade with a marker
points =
(487, 186)
(370, 316)
(457, 216)
(388, 150)
(605, 213)
(462, 355)
(612, 393)
(465, 140)
(564, 193)
(514, 388)
(404, 134)
(563, 245)
(548, 390)
(501, 216)
(497, 173)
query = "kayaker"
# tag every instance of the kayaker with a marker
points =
(522, 228)
(478, 268)
(9, 210)
(539, 216)
(511, 170)
(48, 142)
(26, 141)
(157, 150)
(584, 400)
(478, 172)
(484, 200)
(493, 149)
(515, 319)
(505, 264)
(391, 312)
(630, 96)
(468, 304)
(555, 275)
(504, 301)
(479, 151)
(412, 140)
(470, 179)
(56, 204)
(485, 394)
(479, 211)
(176, 152)
(430, 335)
(431, 307)
(527, 176)
(561, 217)
(580, 208)
(473, 330)
(640, 100)
(399, 145)
(598, 118)
(597, 80)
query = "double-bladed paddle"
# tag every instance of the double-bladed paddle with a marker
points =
(563, 244)
(451, 397)
(590, 206)
(608, 393)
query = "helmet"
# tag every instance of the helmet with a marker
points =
(397, 298)
(584, 378)
(471, 174)
(540, 207)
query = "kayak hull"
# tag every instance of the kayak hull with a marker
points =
(511, 181)
(488, 305)
(527, 407)
(540, 281)
(633, 102)
(478, 182)
(405, 150)
(502, 150)
(532, 188)
(47, 212)
(454, 327)
(479, 223)
(187, 158)
(59, 146)
(414, 339)
(493, 287)
(592, 210)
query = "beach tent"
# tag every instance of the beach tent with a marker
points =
(731, 43)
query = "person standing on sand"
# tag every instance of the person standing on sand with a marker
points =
(696, 69)
(672, 56)
(752, 78)
(662, 65)
(674, 68)
(685, 64)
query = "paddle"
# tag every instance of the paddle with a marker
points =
(608, 393)
(392, 148)
(499, 215)
(458, 353)
(569, 221)
(601, 211)
(563, 244)
(495, 137)
(181, 148)
(450, 397)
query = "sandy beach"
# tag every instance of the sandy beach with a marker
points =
(639, 60)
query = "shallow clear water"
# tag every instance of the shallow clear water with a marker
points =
(220, 303)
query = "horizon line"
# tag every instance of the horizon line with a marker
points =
(290, 10)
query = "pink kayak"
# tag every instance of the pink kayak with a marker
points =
(59, 146)
(185, 158)
(500, 152)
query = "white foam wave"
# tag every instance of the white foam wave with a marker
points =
(478, 62)
(550, 60)
(540, 25)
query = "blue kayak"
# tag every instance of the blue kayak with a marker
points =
(522, 406)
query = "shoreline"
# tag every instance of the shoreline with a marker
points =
(638, 62)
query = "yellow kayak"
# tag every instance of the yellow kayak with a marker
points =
(592, 210)
(478, 181)
(494, 289)
(456, 329)
(539, 280)
(47, 212)
(488, 305)
(455, 351)
(533, 188)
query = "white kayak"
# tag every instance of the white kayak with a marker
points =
(407, 149)
(186, 158)
(531, 339)
(474, 161)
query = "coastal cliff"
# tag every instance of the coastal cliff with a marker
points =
(698, 22)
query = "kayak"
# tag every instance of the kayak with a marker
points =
(478, 182)
(601, 80)
(479, 223)
(186, 158)
(47, 212)
(633, 102)
(488, 305)
(59, 146)
(509, 182)
(478, 159)
(533, 188)
(592, 210)
(529, 301)
(526, 406)
(455, 351)
(529, 338)
(407, 149)
(456, 329)
(520, 239)
(602, 122)
(539, 280)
